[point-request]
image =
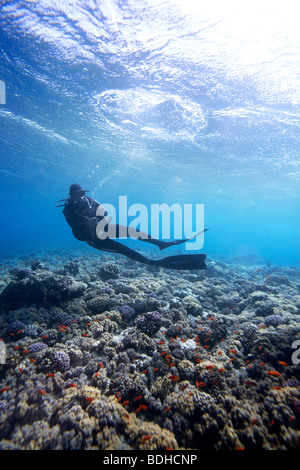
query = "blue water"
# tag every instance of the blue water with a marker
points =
(161, 101)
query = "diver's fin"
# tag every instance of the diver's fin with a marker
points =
(162, 245)
(196, 261)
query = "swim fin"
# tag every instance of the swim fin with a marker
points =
(196, 261)
(162, 244)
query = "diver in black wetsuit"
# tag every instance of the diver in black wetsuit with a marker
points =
(81, 211)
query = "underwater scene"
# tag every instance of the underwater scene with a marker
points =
(149, 244)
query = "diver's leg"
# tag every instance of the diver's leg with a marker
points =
(122, 231)
(196, 261)
(111, 231)
(116, 247)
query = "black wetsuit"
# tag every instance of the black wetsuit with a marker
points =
(79, 214)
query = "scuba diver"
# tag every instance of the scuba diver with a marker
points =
(81, 211)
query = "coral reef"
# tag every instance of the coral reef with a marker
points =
(115, 355)
(31, 287)
(149, 322)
